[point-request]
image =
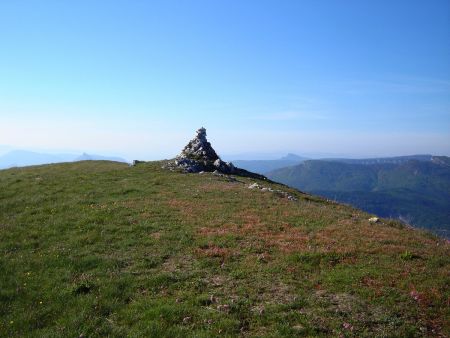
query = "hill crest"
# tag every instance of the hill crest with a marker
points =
(103, 249)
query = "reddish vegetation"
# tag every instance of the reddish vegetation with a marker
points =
(285, 237)
(188, 209)
(213, 251)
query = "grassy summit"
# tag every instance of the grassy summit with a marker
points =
(100, 249)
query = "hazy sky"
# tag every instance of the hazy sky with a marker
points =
(137, 78)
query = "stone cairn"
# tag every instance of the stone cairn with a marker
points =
(199, 155)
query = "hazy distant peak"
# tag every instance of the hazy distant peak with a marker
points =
(91, 157)
(292, 157)
(21, 158)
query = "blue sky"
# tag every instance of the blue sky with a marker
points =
(137, 78)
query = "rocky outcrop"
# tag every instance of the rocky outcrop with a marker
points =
(199, 156)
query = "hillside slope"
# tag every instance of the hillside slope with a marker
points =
(96, 249)
(416, 191)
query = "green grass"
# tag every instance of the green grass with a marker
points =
(102, 249)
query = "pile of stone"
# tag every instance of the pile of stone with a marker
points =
(199, 156)
(281, 192)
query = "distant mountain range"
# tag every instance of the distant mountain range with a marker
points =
(415, 189)
(265, 166)
(380, 160)
(21, 158)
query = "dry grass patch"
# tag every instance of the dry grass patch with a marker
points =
(211, 250)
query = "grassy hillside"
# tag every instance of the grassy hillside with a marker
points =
(96, 249)
(418, 191)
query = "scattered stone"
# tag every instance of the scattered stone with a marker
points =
(374, 220)
(262, 258)
(347, 326)
(136, 162)
(224, 308)
(264, 189)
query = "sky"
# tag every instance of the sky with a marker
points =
(137, 78)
